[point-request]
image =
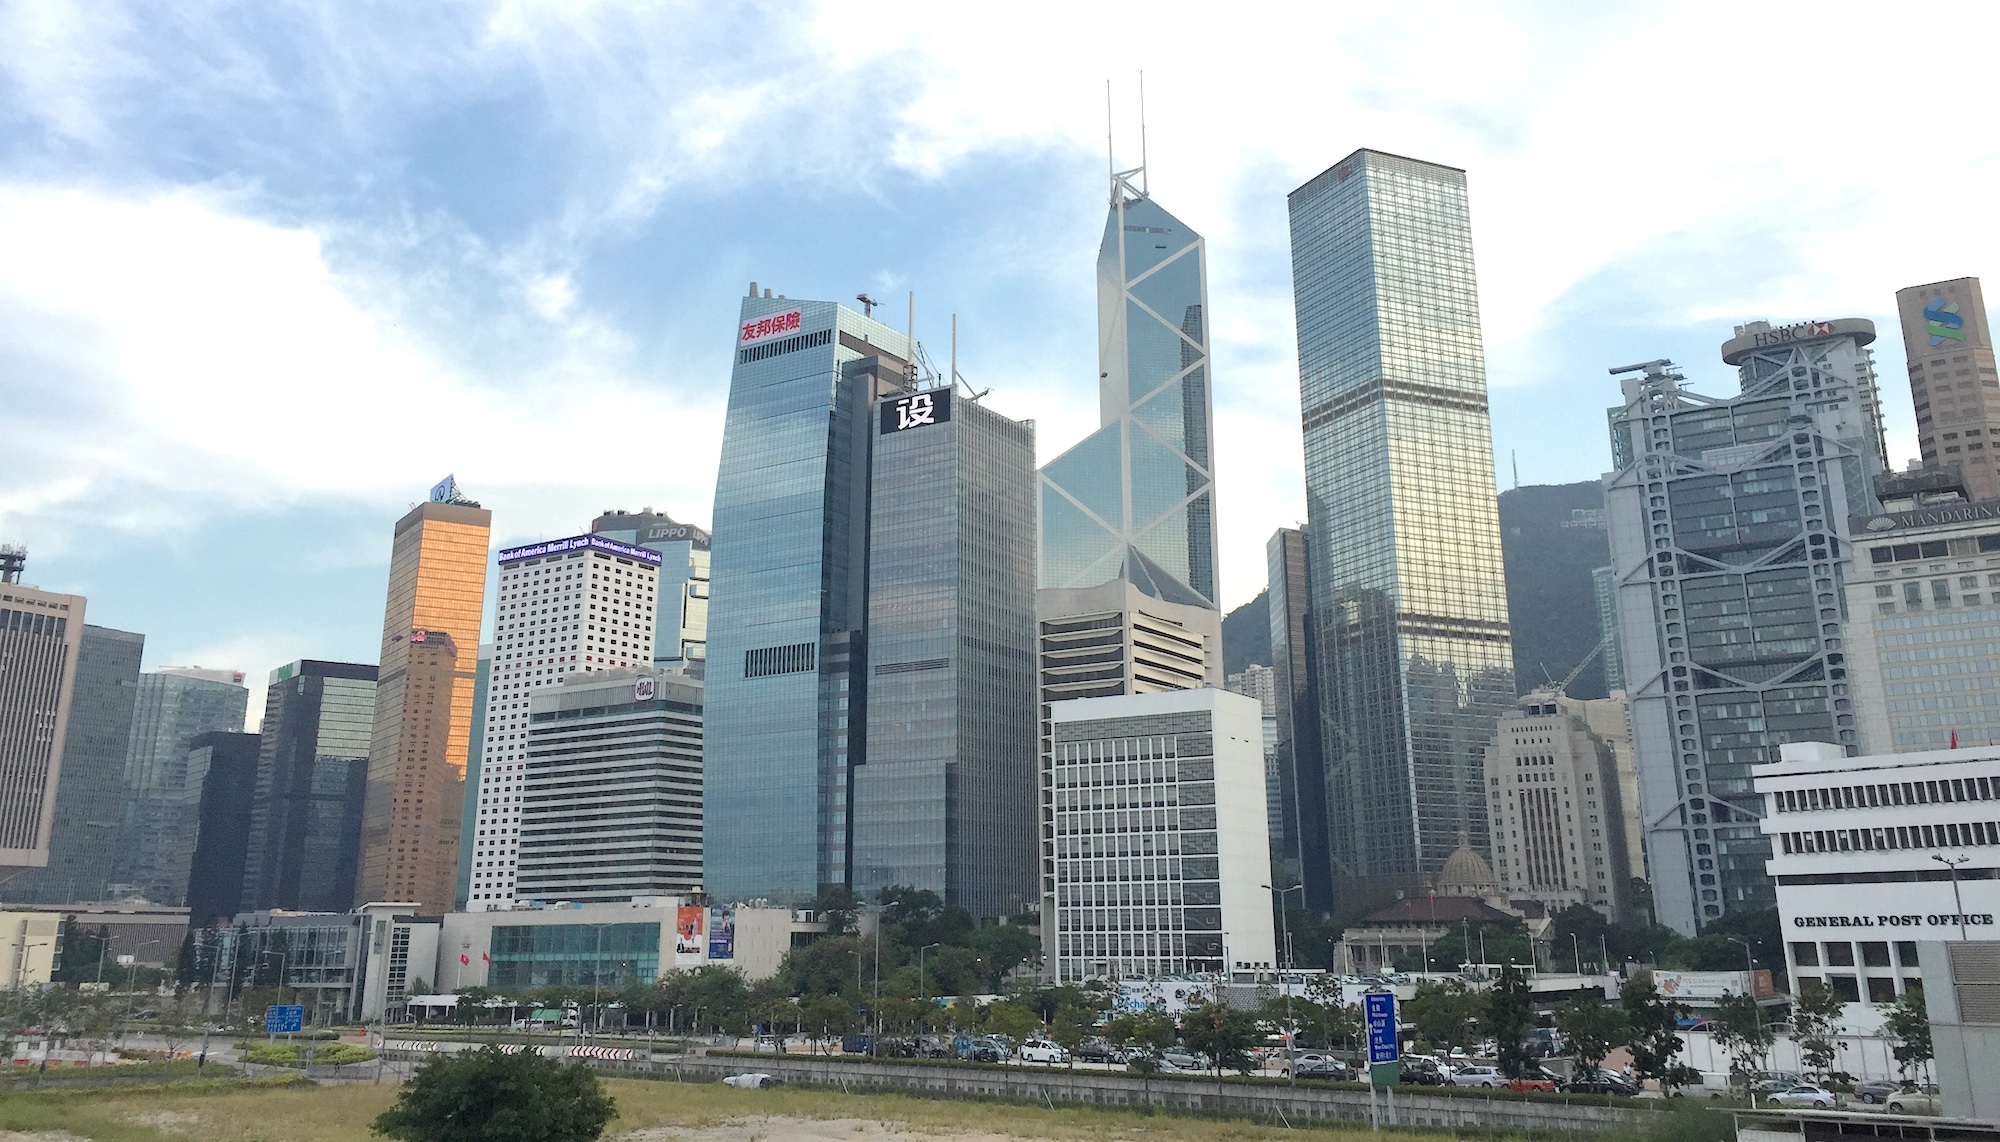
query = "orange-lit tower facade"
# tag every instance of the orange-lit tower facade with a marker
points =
(423, 703)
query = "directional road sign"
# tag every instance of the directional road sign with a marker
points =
(1379, 1011)
(284, 1019)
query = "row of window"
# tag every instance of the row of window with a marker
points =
(1891, 838)
(1944, 791)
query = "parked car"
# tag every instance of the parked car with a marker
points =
(752, 1081)
(1182, 1060)
(1418, 1070)
(1042, 1051)
(1775, 1082)
(1806, 1094)
(1099, 1051)
(1537, 1079)
(1313, 1065)
(1479, 1076)
(1877, 1091)
(1600, 1082)
(1921, 1100)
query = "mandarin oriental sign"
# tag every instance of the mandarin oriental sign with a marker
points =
(764, 328)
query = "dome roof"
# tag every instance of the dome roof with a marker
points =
(1466, 873)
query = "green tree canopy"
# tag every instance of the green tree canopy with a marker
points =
(488, 1096)
(1510, 1017)
(1908, 1023)
(1592, 1029)
(1815, 1026)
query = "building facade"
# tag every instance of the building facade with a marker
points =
(1604, 587)
(1954, 384)
(787, 671)
(84, 836)
(611, 804)
(163, 795)
(475, 753)
(1874, 854)
(1157, 853)
(1729, 549)
(1135, 500)
(1409, 598)
(569, 606)
(304, 847)
(680, 629)
(40, 635)
(222, 781)
(1260, 682)
(1555, 797)
(1295, 684)
(423, 701)
(945, 798)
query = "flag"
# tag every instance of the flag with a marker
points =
(485, 957)
(1954, 739)
(464, 959)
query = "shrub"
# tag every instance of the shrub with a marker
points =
(489, 1096)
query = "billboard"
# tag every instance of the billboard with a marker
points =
(1686, 985)
(577, 543)
(722, 933)
(916, 410)
(764, 328)
(688, 942)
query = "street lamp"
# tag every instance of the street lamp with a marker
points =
(1957, 902)
(1291, 1029)
(1750, 989)
(922, 999)
(131, 990)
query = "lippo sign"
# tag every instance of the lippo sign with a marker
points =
(764, 328)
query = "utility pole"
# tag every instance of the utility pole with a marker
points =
(1957, 902)
(1291, 1028)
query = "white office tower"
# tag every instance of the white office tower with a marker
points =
(1156, 846)
(612, 808)
(568, 606)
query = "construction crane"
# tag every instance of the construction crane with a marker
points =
(1578, 668)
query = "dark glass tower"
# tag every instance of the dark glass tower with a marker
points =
(1136, 499)
(222, 773)
(162, 796)
(946, 798)
(1301, 764)
(312, 775)
(787, 665)
(90, 789)
(1409, 598)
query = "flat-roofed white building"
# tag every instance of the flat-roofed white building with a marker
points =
(1156, 847)
(1874, 854)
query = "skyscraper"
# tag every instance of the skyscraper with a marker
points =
(222, 781)
(1729, 550)
(569, 606)
(1136, 499)
(1953, 380)
(612, 801)
(787, 668)
(40, 632)
(423, 701)
(84, 833)
(680, 630)
(1295, 679)
(945, 799)
(1556, 797)
(312, 777)
(1409, 599)
(162, 796)
(475, 754)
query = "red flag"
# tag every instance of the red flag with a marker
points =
(464, 959)
(1954, 739)
(485, 957)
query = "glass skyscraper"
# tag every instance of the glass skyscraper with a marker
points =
(1729, 549)
(786, 714)
(312, 775)
(162, 812)
(1409, 601)
(945, 799)
(1136, 499)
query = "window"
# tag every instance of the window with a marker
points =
(1846, 987)
(1805, 954)
(1840, 955)
(1875, 954)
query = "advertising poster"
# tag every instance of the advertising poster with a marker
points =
(688, 945)
(721, 933)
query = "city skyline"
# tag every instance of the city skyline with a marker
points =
(501, 306)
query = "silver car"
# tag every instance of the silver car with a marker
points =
(1805, 1094)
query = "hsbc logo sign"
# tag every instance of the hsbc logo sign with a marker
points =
(1802, 331)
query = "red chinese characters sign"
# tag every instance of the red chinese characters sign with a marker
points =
(776, 325)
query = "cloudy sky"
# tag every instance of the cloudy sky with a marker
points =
(268, 270)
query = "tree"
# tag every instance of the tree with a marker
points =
(1445, 1013)
(1740, 1030)
(489, 1096)
(1071, 1025)
(1815, 1015)
(1006, 1017)
(1909, 1025)
(837, 907)
(1222, 1033)
(1510, 1016)
(1149, 1030)
(1652, 1031)
(1591, 1029)
(1002, 948)
(828, 1015)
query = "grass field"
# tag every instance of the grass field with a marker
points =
(647, 1111)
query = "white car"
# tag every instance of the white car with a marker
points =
(1805, 1094)
(1479, 1076)
(1042, 1051)
(753, 1081)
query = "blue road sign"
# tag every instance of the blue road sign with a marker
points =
(284, 1019)
(1379, 1011)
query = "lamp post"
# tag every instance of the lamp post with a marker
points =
(131, 991)
(1575, 954)
(1291, 1028)
(1750, 989)
(923, 999)
(1957, 902)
